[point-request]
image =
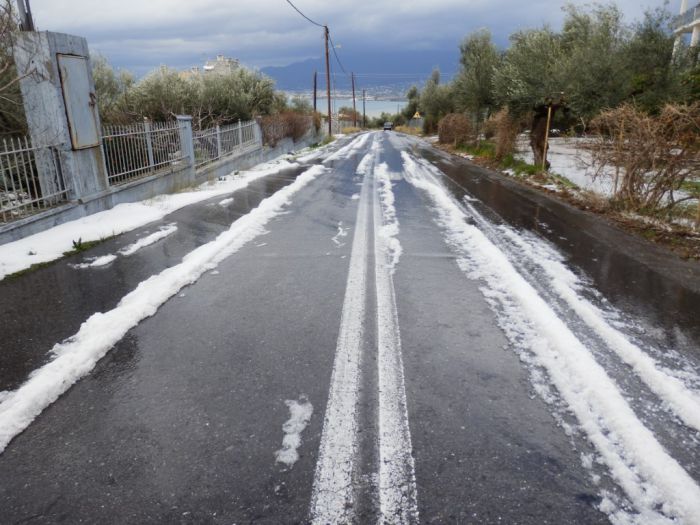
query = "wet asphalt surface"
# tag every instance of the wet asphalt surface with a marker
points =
(180, 421)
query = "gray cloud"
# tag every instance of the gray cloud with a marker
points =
(141, 34)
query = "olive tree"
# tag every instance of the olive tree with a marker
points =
(436, 101)
(474, 85)
(529, 78)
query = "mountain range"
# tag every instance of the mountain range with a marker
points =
(377, 72)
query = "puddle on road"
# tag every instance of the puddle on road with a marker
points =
(631, 284)
(49, 304)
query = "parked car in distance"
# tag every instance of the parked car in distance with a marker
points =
(388, 126)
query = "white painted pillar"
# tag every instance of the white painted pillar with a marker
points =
(695, 39)
(684, 6)
(677, 44)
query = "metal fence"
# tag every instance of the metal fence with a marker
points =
(31, 179)
(141, 149)
(222, 141)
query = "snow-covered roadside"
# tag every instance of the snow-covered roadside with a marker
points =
(53, 243)
(657, 486)
(79, 354)
(568, 159)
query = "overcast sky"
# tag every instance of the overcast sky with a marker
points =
(141, 34)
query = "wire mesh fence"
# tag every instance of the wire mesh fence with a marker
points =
(31, 179)
(222, 141)
(138, 150)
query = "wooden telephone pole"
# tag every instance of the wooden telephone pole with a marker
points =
(315, 87)
(354, 109)
(328, 82)
(364, 112)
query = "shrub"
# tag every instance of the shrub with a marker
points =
(455, 129)
(505, 132)
(651, 156)
(282, 125)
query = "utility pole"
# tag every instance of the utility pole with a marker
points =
(315, 86)
(328, 82)
(364, 113)
(25, 15)
(354, 109)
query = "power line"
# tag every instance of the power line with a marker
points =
(302, 14)
(336, 54)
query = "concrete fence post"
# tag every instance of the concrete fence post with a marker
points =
(218, 142)
(240, 134)
(149, 144)
(186, 138)
(257, 134)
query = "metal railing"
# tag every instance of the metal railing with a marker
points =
(685, 19)
(138, 150)
(222, 141)
(31, 179)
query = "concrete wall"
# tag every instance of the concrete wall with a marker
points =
(36, 57)
(148, 187)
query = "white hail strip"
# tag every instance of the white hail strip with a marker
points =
(398, 501)
(78, 355)
(95, 262)
(349, 149)
(657, 486)
(299, 416)
(153, 238)
(671, 390)
(342, 232)
(332, 498)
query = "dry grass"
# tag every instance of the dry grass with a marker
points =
(409, 130)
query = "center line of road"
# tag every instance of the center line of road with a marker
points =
(397, 479)
(333, 497)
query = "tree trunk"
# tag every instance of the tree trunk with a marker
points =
(538, 132)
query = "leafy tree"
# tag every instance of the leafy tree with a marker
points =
(528, 77)
(211, 99)
(301, 105)
(347, 113)
(12, 119)
(474, 85)
(591, 69)
(652, 77)
(413, 98)
(436, 101)
(112, 89)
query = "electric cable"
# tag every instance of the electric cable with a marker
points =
(302, 14)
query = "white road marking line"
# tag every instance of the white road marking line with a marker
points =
(398, 499)
(332, 496)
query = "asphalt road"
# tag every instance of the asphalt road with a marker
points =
(437, 344)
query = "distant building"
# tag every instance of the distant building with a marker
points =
(221, 65)
(194, 71)
(688, 21)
